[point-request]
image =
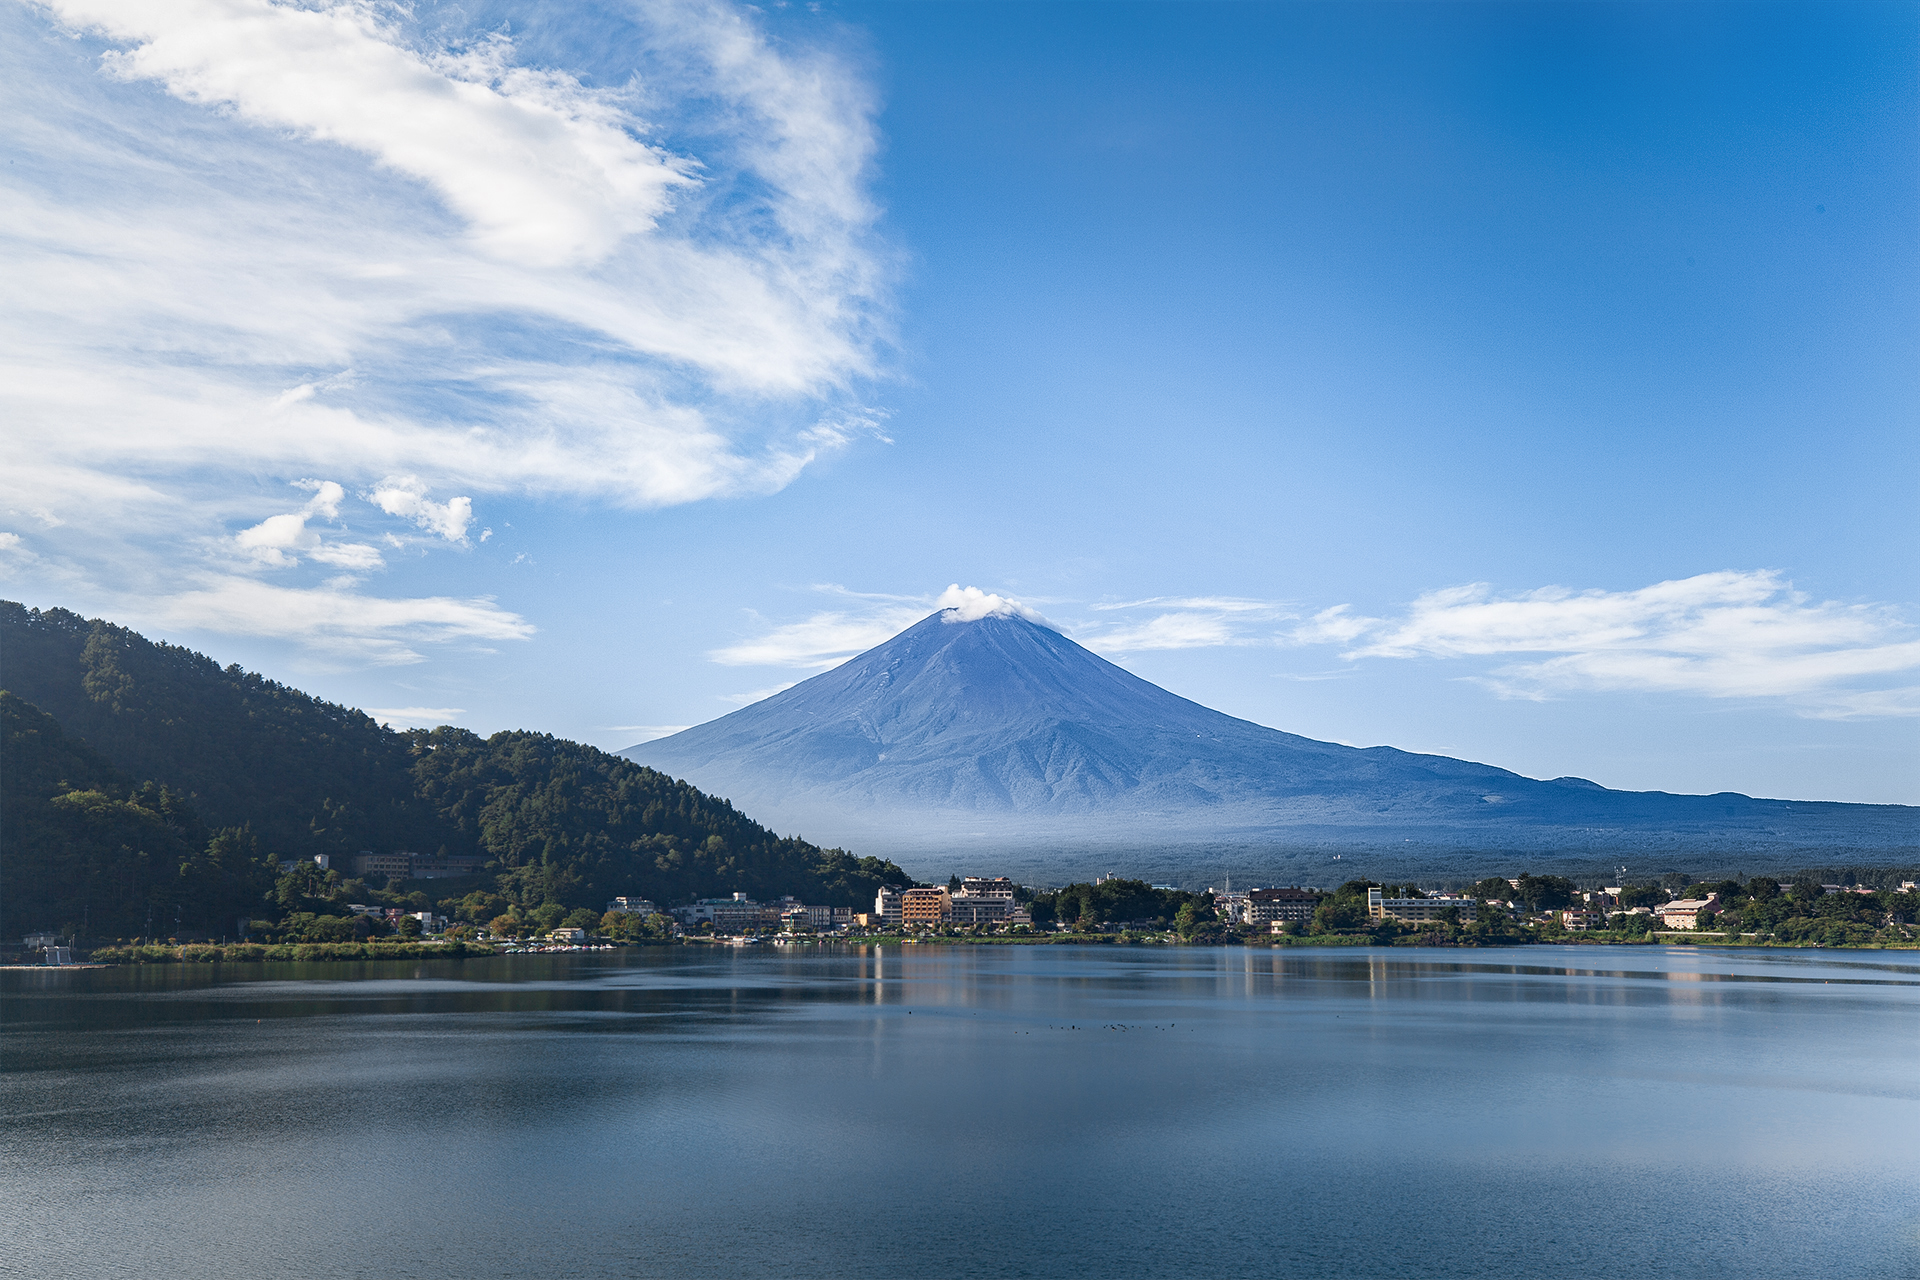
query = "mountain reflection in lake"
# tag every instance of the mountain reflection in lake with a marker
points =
(979, 1111)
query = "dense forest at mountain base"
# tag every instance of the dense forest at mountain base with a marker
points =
(148, 791)
(87, 852)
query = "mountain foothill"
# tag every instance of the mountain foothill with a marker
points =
(150, 791)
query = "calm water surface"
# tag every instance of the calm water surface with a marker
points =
(981, 1111)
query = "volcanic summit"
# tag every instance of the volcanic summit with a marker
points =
(973, 724)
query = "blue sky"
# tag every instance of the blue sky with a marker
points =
(1529, 383)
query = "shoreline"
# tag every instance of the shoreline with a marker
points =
(338, 953)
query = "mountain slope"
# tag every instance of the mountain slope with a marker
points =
(85, 851)
(556, 821)
(310, 776)
(1002, 725)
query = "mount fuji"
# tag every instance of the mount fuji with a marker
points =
(994, 728)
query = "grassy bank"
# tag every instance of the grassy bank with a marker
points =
(255, 953)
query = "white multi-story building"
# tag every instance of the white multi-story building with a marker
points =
(1419, 910)
(632, 906)
(727, 915)
(886, 906)
(983, 900)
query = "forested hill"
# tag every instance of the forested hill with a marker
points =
(310, 776)
(557, 821)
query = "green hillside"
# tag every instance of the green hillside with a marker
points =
(311, 776)
(144, 777)
(86, 851)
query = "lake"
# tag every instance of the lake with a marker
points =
(970, 1111)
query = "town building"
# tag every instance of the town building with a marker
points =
(402, 865)
(322, 860)
(632, 906)
(727, 915)
(925, 908)
(1419, 910)
(1582, 918)
(427, 867)
(369, 865)
(1229, 905)
(983, 900)
(1276, 906)
(1685, 913)
(567, 936)
(824, 918)
(886, 906)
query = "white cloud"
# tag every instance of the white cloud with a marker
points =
(1731, 634)
(1338, 625)
(542, 169)
(370, 241)
(355, 557)
(970, 604)
(406, 497)
(278, 541)
(1186, 622)
(1184, 630)
(336, 619)
(823, 640)
(326, 499)
(272, 539)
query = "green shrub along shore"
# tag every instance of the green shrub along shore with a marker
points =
(1760, 912)
(303, 952)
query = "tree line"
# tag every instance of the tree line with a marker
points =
(148, 791)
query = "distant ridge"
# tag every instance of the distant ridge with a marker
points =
(1002, 730)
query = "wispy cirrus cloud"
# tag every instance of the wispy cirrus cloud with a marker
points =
(334, 617)
(1184, 622)
(1731, 634)
(821, 640)
(250, 241)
